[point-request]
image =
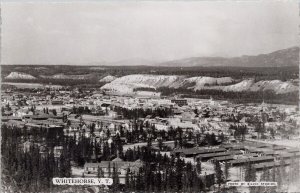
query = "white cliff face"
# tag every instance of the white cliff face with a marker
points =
(277, 86)
(108, 78)
(202, 82)
(127, 84)
(241, 86)
(20, 75)
(150, 80)
(64, 76)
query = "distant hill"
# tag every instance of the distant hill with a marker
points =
(19, 75)
(127, 84)
(280, 58)
(131, 62)
(108, 79)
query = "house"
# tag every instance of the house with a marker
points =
(57, 102)
(7, 118)
(207, 156)
(57, 151)
(288, 156)
(43, 149)
(188, 116)
(277, 148)
(179, 102)
(293, 150)
(26, 146)
(216, 156)
(192, 152)
(107, 167)
(223, 158)
(268, 165)
(161, 127)
(253, 160)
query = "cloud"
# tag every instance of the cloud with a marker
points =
(95, 31)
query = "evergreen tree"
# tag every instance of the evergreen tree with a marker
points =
(109, 170)
(219, 174)
(179, 173)
(54, 112)
(158, 181)
(265, 177)
(250, 173)
(226, 171)
(250, 176)
(198, 166)
(282, 174)
(127, 179)
(100, 173)
(115, 177)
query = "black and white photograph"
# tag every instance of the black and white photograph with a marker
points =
(150, 96)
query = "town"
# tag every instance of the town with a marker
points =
(146, 143)
(150, 96)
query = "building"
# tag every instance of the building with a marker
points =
(179, 102)
(57, 102)
(58, 151)
(253, 160)
(107, 167)
(192, 152)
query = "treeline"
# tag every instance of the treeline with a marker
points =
(48, 70)
(238, 97)
(262, 73)
(62, 82)
(144, 89)
(30, 168)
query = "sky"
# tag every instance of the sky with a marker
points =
(90, 32)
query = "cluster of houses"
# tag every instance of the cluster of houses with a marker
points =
(54, 111)
(106, 168)
(237, 155)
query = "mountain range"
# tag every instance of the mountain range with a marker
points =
(280, 58)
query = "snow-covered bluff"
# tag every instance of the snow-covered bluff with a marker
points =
(108, 78)
(20, 75)
(65, 76)
(278, 86)
(126, 84)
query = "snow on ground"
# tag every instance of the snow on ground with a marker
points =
(126, 84)
(175, 123)
(283, 142)
(76, 171)
(276, 85)
(241, 86)
(65, 76)
(20, 75)
(131, 146)
(201, 82)
(108, 78)
(128, 146)
(295, 187)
